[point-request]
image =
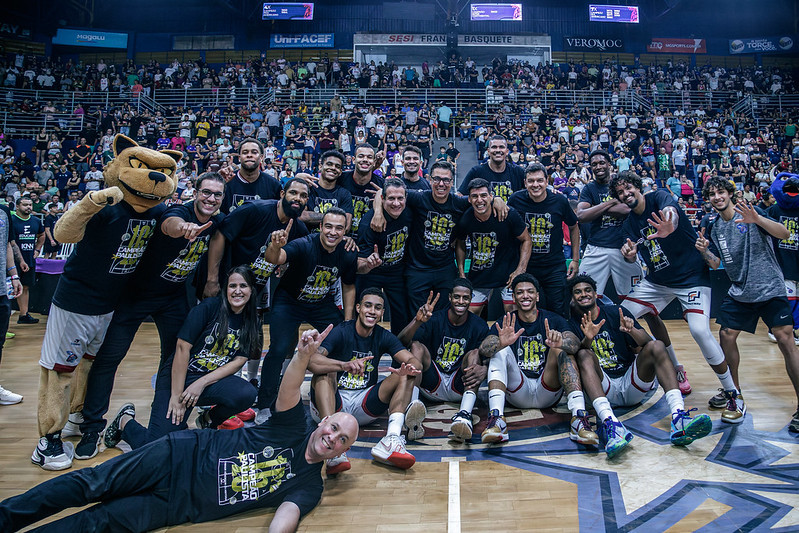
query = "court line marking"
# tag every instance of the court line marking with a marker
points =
(454, 495)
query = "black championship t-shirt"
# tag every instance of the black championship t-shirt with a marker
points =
(605, 230)
(238, 191)
(361, 201)
(320, 200)
(200, 330)
(495, 247)
(168, 262)
(220, 473)
(447, 343)
(391, 242)
(544, 221)
(787, 250)
(344, 344)
(102, 262)
(614, 350)
(419, 185)
(248, 231)
(530, 348)
(25, 233)
(503, 184)
(672, 261)
(432, 230)
(313, 270)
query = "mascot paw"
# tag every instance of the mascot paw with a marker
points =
(109, 196)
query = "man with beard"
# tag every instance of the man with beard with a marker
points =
(603, 214)
(329, 192)
(411, 161)
(346, 380)
(157, 290)
(446, 344)
(504, 177)
(361, 183)
(619, 363)
(305, 292)
(249, 183)
(675, 269)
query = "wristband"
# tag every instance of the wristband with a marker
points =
(14, 277)
(9, 269)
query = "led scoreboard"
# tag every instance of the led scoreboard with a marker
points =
(288, 11)
(496, 11)
(605, 13)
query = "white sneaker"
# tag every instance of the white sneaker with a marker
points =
(53, 454)
(414, 416)
(9, 398)
(262, 416)
(391, 451)
(72, 427)
(461, 427)
(338, 464)
(771, 337)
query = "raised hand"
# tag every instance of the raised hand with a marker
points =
(629, 250)
(747, 212)
(280, 237)
(507, 333)
(626, 324)
(554, 337)
(590, 330)
(663, 224)
(310, 340)
(701, 243)
(310, 179)
(191, 230)
(374, 261)
(426, 311)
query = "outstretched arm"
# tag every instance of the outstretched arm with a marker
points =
(72, 224)
(286, 519)
(289, 394)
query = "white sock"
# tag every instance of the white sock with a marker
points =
(726, 381)
(674, 398)
(496, 400)
(467, 402)
(395, 423)
(415, 394)
(603, 410)
(576, 402)
(672, 355)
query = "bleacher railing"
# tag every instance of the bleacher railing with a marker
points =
(28, 125)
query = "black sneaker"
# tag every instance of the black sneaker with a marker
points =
(113, 433)
(88, 446)
(793, 427)
(51, 453)
(27, 319)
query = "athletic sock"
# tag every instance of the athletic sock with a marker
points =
(603, 410)
(675, 401)
(576, 402)
(415, 394)
(726, 381)
(672, 355)
(467, 402)
(496, 401)
(395, 423)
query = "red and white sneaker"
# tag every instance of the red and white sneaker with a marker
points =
(682, 381)
(233, 422)
(247, 416)
(391, 451)
(338, 464)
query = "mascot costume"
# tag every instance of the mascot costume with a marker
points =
(785, 189)
(111, 228)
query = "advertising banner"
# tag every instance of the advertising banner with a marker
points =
(593, 44)
(659, 45)
(97, 39)
(762, 45)
(301, 40)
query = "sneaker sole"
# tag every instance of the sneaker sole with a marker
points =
(461, 431)
(585, 442)
(414, 417)
(495, 439)
(400, 461)
(733, 420)
(85, 457)
(699, 428)
(8, 402)
(39, 460)
(339, 468)
(621, 447)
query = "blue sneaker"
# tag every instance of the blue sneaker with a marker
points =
(614, 436)
(685, 428)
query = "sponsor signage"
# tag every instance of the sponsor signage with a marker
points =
(601, 44)
(504, 40)
(97, 39)
(606, 13)
(677, 46)
(440, 39)
(288, 11)
(496, 11)
(14, 30)
(762, 45)
(302, 40)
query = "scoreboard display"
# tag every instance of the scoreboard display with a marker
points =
(496, 11)
(605, 13)
(288, 11)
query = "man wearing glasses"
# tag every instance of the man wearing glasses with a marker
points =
(158, 290)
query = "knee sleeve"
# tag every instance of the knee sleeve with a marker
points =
(79, 381)
(53, 408)
(699, 325)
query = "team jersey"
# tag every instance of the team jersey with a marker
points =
(502, 184)
(605, 230)
(24, 232)
(432, 230)
(614, 350)
(248, 230)
(361, 201)
(238, 191)
(530, 348)
(224, 473)
(672, 261)
(391, 242)
(200, 330)
(103, 261)
(168, 262)
(344, 344)
(787, 249)
(313, 270)
(544, 221)
(495, 247)
(448, 343)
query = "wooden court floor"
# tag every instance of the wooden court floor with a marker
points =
(742, 478)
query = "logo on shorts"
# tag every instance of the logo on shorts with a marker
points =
(694, 295)
(634, 280)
